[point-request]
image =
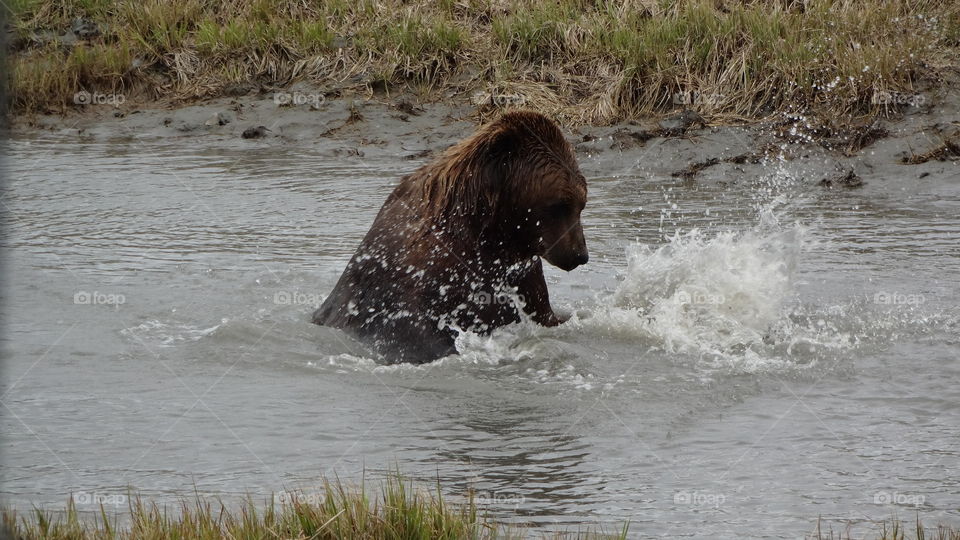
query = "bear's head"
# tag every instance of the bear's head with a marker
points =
(515, 180)
(538, 190)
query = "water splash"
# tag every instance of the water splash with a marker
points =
(702, 294)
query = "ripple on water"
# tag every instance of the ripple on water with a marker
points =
(715, 347)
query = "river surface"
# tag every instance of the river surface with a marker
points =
(740, 359)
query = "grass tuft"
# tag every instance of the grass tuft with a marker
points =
(398, 510)
(598, 60)
(894, 529)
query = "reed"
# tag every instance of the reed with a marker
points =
(397, 510)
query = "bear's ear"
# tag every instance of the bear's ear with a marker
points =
(496, 161)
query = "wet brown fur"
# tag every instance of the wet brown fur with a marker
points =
(458, 244)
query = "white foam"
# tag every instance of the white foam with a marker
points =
(702, 293)
(169, 334)
(724, 299)
(346, 363)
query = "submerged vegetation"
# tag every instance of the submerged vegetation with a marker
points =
(585, 60)
(398, 511)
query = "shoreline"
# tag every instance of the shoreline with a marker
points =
(923, 142)
(584, 64)
(397, 507)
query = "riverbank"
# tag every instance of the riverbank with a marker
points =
(396, 509)
(697, 91)
(585, 63)
(922, 144)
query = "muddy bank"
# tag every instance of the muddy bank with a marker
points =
(921, 143)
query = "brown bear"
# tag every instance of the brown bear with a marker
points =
(457, 245)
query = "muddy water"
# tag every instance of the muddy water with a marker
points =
(740, 359)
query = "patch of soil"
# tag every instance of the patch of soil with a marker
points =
(406, 107)
(625, 138)
(419, 155)
(846, 179)
(947, 151)
(846, 139)
(255, 132)
(691, 171)
(677, 125)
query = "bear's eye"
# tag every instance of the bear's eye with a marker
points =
(558, 209)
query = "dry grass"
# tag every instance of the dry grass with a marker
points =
(583, 60)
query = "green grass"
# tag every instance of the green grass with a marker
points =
(591, 60)
(894, 529)
(397, 511)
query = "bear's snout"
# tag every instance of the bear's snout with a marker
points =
(570, 251)
(574, 260)
(568, 261)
